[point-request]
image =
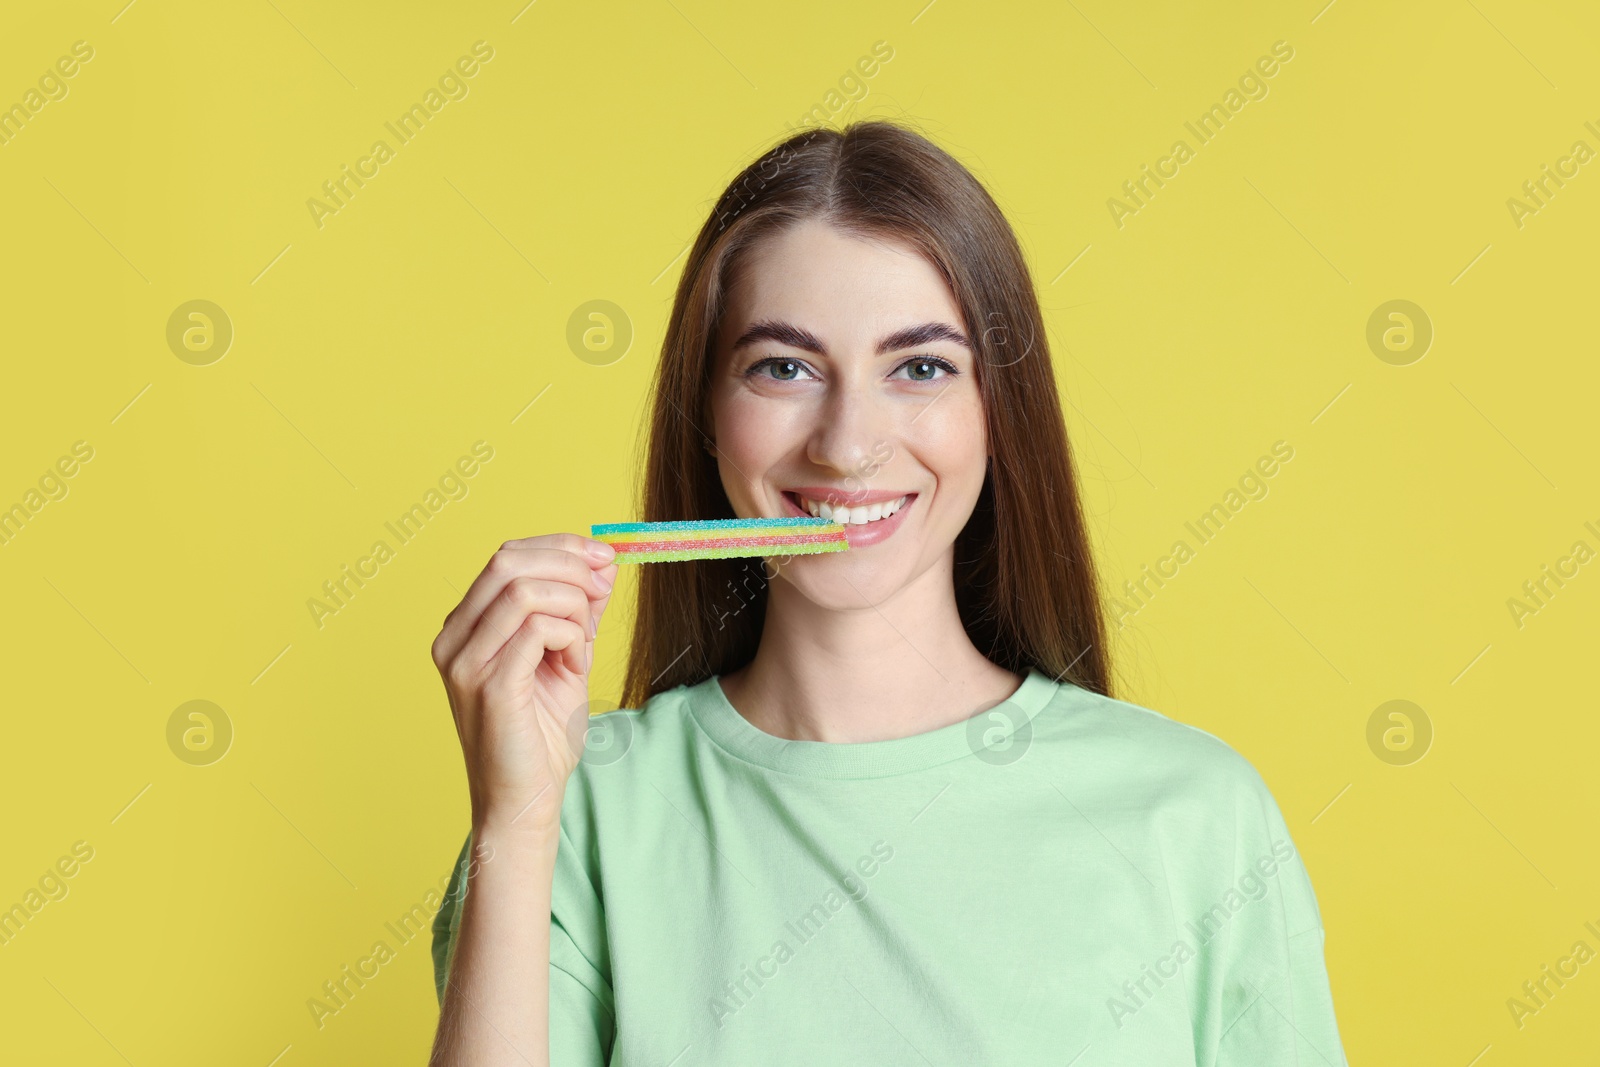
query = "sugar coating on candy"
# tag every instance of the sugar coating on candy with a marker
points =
(654, 542)
(668, 555)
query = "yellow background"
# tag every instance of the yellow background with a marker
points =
(370, 353)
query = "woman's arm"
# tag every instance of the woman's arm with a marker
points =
(496, 1007)
(515, 657)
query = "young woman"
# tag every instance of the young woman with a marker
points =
(875, 806)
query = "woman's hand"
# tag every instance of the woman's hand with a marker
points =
(515, 657)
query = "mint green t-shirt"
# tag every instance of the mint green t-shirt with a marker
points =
(1064, 879)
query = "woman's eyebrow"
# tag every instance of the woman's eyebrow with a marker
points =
(924, 333)
(794, 337)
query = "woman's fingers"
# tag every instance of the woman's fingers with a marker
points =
(504, 619)
(555, 557)
(508, 679)
(538, 636)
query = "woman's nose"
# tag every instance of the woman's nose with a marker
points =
(852, 427)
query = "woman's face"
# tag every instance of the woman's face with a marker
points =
(843, 377)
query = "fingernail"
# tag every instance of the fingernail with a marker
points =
(601, 551)
(600, 581)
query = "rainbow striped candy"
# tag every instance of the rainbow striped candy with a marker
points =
(658, 542)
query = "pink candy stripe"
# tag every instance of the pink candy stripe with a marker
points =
(723, 542)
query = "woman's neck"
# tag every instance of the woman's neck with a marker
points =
(865, 672)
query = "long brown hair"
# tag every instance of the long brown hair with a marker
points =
(1025, 584)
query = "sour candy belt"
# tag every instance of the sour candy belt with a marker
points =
(657, 542)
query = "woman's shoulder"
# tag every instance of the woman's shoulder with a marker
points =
(621, 743)
(614, 733)
(1179, 777)
(1130, 740)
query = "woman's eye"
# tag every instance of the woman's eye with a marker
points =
(923, 368)
(783, 370)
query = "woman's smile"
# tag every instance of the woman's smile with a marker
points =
(865, 520)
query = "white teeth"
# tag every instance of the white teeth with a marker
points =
(854, 516)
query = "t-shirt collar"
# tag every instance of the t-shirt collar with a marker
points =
(985, 732)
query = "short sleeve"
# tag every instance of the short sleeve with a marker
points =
(447, 920)
(1275, 990)
(582, 1006)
